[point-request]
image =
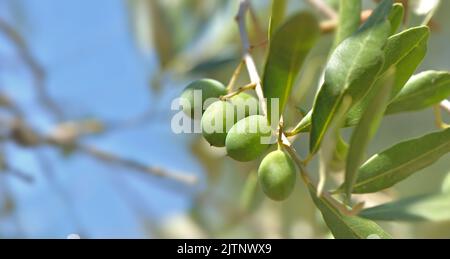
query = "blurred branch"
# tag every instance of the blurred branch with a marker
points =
(324, 8)
(330, 26)
(35, 68)
(24, 176)
(135, 165)
(139, 120)
(65, 136)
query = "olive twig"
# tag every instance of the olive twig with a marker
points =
(438, 118)
(242, 89)
(234, 77)
(248, 59)
(261, 44)
(36, 69)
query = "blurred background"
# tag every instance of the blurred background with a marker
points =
(86, 146)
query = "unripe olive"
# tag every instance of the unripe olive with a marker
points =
(217, 120)
(277, 175)
(248, 138)
(245, 105)
(210, 89)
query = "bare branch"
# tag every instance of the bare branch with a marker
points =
(24, 176)
(35, 68)
(134, 165)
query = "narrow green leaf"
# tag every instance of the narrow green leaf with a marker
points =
(403, 44)
(390, 167)
(422, 91)
(288, 49)
(349, 19)
(404, 52)
(304, 125)
(396, 17)
(346, 227)
(366, 129)
(446, 184)
(277, 16)
(352, 69)
(408, 65)
(421, 208)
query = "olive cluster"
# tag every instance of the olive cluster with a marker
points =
(235, 123)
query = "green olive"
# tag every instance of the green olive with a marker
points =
(245, 105)
(248, 138)
(217, 121)
(209, 88)
(277, 175)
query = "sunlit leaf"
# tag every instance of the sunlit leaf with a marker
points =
(352, 69)
(422, 91)
(396, 17)
(404, 52)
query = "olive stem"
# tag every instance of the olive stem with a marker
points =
(242, 89)
(325, 195)
(244, 7)
(234, 77)
(438, 118)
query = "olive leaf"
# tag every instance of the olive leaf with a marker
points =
(366, 129)
(331, 141)
(396, 17)
(435, 207)
(277, 15)
(389, 167)
(303, 126)
(288, 49)
(404, 51)
(422, 91)
(446, 184)
(343, 226)
(352, 69)
(349, 19)
(408, 45)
